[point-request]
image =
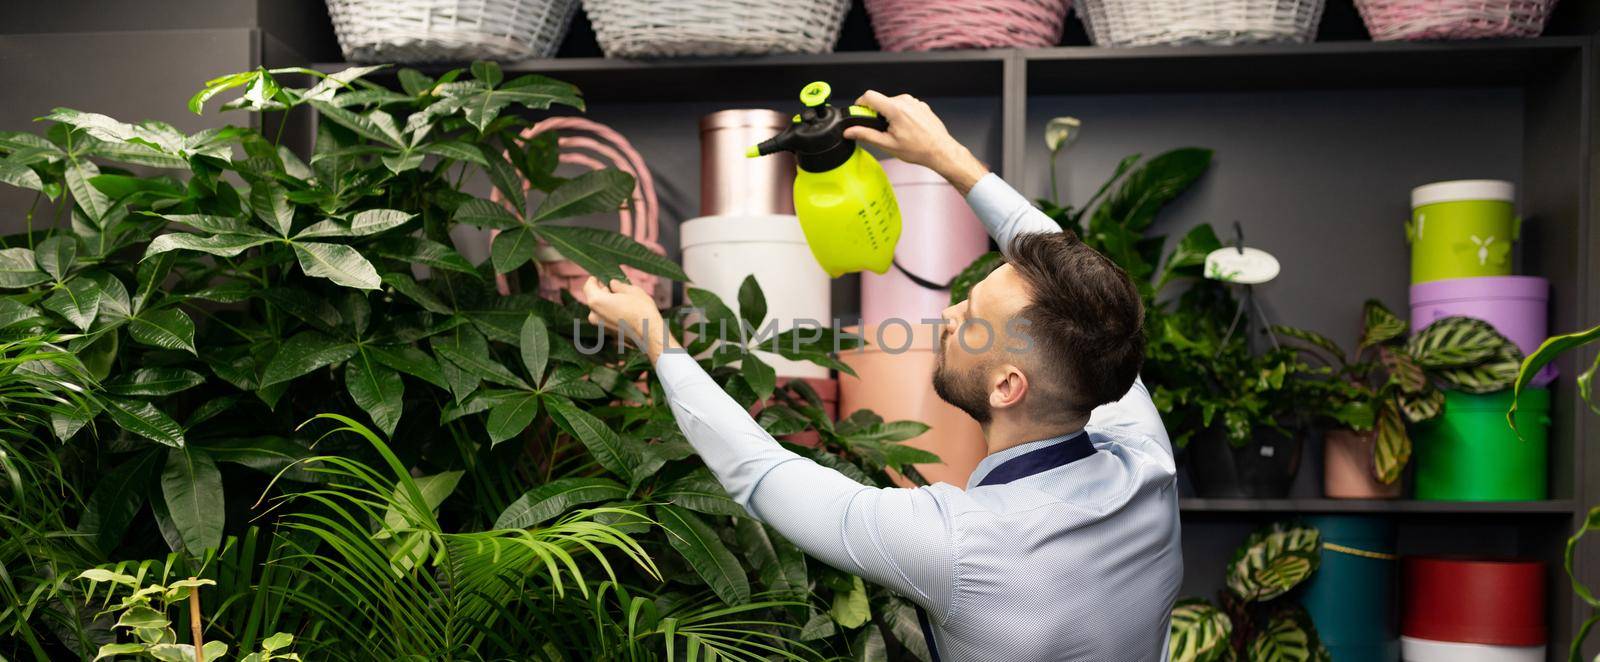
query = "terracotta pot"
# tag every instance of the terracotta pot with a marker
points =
(899, 386)
(1347, 467)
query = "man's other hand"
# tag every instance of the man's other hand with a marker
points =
(625, 308)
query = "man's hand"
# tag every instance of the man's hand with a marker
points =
(917, 136)
(630, 311)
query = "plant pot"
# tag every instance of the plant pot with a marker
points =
(940, 237)
(1474, 601)
(1262, 469)
(1347, 467)
(898, 385)
(1516, 306)
(1462, 229)
(1351, 597)
(720, 251)
(1470, 453)
(732, 184)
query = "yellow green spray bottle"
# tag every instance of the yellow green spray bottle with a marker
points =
(842, 196)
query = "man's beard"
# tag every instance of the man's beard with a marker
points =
(964, 391)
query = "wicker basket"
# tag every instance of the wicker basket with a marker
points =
(689, 28)
(418, 31)
(1417, 20)
(926, 25)
(1216, 22)
(590, 144)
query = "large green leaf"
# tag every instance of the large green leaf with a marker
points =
(416, 250)
(409, 360)
(1456, 342)
(143, 419)
(302, 353)
(338, 263)
(78, 301)
(511, 249)
(18, 269)
(56, 255)
(1548, 351)
(20, 175)
(593, 192)
(267, 454)
(550, 500)
(221, 245)
(698, 543)
(92, 201)
(192, 488)
(371, 126)
(509, 418)
(1334, 353)
(850, 608)
(1199, 632)
(117, 498)
(699, 491)
(752, 302)
(377, 389)
(1146, 190)
(603, 443)
(600, 251)
(778, 563)
(486, 214)
(270, 202)
(1274, 560)
(535, 343)
(1497, 373)
(168, 328)
(12, 312)
(468, 351)
(155, 381)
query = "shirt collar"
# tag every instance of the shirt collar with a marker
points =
(1031, 458)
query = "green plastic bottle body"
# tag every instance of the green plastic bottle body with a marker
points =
(849, 214)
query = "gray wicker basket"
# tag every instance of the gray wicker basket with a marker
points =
(689, 28)
(418, 31)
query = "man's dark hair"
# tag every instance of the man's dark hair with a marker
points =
(1086, 317)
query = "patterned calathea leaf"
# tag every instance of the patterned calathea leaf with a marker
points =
(1379, 325)
(1403, 370)
(1393, 445)
(1423, 406)
(1274, 560)
(1497, 373)
(1288, 637)
(1200, 632)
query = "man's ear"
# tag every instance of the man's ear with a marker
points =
(1008, 388)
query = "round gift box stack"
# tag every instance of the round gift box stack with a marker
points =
(1461, 235)
(1472, 610)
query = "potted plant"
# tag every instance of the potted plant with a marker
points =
(1251, 619)
(1368, 399)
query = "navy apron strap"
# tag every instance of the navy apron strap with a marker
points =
(927, 634)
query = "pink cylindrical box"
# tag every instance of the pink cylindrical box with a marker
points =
(1517, 307)
(941, 236)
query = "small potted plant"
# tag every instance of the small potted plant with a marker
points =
(1251, 620)
(1367, 399)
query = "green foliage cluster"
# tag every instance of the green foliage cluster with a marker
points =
(482, 488)
(1252, 622)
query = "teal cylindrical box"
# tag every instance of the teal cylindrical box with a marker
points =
(1351, 597)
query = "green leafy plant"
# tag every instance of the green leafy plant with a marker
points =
(143, 617)
(1253, 623)
(1392, 380)
(1548, 351)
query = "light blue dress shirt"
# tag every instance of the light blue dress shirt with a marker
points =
(1058, 549)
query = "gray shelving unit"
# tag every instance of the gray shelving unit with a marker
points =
(1317, 147)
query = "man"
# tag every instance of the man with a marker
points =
(1065, 544)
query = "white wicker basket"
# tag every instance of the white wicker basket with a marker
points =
(417, 31)
(688, 28)
(1218, 22)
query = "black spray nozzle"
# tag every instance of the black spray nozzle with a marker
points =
(817, 135)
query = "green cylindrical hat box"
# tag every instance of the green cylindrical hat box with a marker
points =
(1351, 596)
(1470, 453)
(1462, 229)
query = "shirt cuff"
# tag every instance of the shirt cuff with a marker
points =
(993, 200)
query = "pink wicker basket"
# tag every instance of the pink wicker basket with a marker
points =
(590, 144)
(926, 25)
(1419, 20)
